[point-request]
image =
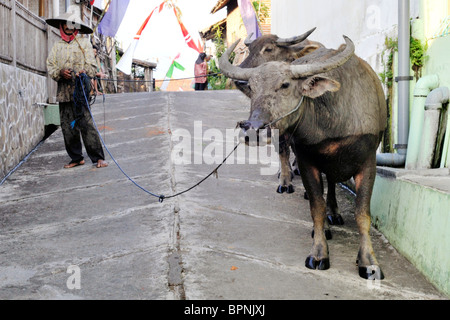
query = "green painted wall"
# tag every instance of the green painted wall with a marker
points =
(416, 221)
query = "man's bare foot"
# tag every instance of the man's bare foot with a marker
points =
(102, 164)
(73, 164)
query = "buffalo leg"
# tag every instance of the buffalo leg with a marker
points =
(285, 178)
(318, 256)
(333, 216)
(367, 263)
(295, 168)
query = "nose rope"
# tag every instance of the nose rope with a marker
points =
(286, 115)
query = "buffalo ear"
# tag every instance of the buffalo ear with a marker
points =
(305, 50)
(316, 86)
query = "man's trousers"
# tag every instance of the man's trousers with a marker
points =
(85, 128)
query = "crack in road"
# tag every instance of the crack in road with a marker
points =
(175, 261)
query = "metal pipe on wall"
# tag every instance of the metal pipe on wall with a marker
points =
(398, 159)
(421, 90)
(433, 107)
(403, 75)
(55, 8)
(41, 8)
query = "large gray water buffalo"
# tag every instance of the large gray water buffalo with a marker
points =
(273, 48)
(339, 118)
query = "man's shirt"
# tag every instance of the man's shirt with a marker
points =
(76, 55)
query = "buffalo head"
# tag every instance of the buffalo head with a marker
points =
(277, 87)
(273, 48)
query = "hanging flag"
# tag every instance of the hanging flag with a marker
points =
(126, 61)
(113, 17)
(249, 17)
(187, 37)
(169, 73)
(97, 3)
(172, 66)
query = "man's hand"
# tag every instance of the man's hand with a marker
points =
(66, 73)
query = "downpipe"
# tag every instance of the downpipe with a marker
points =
(421, 91)
(390, 159)
(432, 113)
(398, 159)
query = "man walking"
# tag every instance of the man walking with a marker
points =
(71, 58)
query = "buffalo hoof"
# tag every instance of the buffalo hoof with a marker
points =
(292, 175)
(327, 232)
(297, 172)
(288, 189)
(335, 219)
(312, 263)
(305, 195)
(372, 272)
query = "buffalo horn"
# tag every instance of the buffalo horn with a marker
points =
(231, 71)
(294, 40)
(305, 70)
(247, 40)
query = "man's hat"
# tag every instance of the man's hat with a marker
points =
(72, 19)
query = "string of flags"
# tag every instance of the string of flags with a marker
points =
(113, 17)
(169, 73)
(114, 12)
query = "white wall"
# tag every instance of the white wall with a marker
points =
(366, 22)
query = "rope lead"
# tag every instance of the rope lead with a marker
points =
(160, 197)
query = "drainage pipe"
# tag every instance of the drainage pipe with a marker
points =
(422, 89)
(445, 160)
(433, 107)
(55, 8)
(390, 159)
(398, 159)
(404, 75)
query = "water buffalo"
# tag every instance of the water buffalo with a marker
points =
(272, 48)
(336, 130)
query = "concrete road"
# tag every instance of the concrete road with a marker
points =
(88, 233)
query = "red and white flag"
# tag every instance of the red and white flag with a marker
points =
(126, 61)
(97, 3)
(187, 37)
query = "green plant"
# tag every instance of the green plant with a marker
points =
(387, 76)
(417, 56)
(116, 48)
(262, 11)
(218, 81)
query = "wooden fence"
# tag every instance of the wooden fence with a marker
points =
(25, 40)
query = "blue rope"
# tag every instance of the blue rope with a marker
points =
(160, 197)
